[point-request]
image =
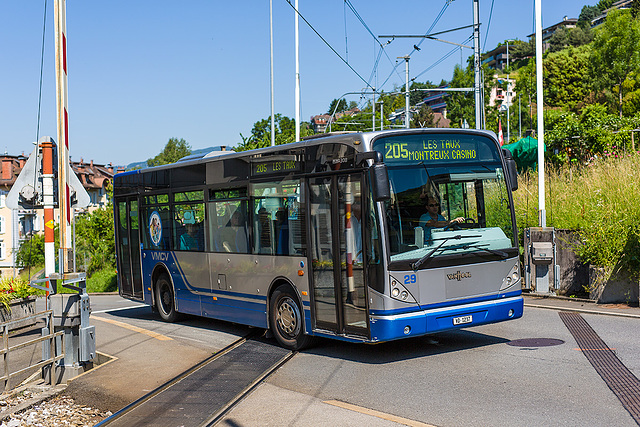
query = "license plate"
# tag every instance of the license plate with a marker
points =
(462, 320)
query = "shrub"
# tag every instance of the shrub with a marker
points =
(600, 201)
(14, 288)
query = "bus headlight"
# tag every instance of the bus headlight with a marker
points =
(512, 278)
(399, 292)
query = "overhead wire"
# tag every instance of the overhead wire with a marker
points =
(486, 35)
(435, 21)
(44, 27)
(439, 61)
(328, 44)
(364, 24)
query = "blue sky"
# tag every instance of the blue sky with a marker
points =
(141, 72)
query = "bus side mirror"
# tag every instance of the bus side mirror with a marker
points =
(380, 182)
(512, 171)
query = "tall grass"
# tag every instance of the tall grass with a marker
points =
(601, 201)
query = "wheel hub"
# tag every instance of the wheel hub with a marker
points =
(287, 317)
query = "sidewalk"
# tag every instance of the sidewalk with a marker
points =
(580, 305)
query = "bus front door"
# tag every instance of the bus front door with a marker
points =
(129, 265)
(339, 291)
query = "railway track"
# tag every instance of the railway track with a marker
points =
(204, 394)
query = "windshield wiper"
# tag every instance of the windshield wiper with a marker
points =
(421, 261)
(501, 254)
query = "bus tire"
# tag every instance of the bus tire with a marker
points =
(165, 301)
(286, 320)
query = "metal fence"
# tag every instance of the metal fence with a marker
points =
(46, 339)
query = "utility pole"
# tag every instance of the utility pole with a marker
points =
(406, 90)
(373, 124)
(476, 62)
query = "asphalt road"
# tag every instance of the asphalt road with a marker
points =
(472, 377)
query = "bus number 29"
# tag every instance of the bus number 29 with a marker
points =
(409, 279)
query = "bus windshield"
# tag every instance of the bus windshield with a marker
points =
(448, 203)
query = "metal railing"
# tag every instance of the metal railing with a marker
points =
(50, 337)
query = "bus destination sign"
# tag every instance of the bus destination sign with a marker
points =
(274, 167)
(430, 150)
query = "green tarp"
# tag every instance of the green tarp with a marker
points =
(525, 153)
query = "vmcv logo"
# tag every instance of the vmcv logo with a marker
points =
(459, 275)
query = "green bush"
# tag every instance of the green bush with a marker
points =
(600, 201)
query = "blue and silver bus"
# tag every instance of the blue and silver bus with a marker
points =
(328, 237)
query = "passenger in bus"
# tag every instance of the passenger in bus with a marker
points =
(433, 218)
(189, 240)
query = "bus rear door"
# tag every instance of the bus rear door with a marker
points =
(129, 264)
(339, 291)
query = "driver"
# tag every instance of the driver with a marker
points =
(433, 218)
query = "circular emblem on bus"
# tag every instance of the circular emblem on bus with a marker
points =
(155, 228)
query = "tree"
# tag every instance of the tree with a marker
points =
(566, 37)
(565, 79)
(173, 151)
(424, 118)
(460, 105)
(588, 14)
(616, 53)
(284, 133)
(337, 106)
(31, 252)
(526, 86)
(95, 241)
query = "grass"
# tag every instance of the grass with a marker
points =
(601, 201)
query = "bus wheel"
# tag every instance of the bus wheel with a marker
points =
(165, 300)
(286, 320)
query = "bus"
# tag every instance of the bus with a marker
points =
(327, 237)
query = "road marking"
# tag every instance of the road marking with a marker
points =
(377, 414)
(134, 328)
(118, 309)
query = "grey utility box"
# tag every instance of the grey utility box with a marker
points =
(542, 252)
(539, 258)
(66, 309)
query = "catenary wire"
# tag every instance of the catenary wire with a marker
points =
(444, 8)
(328, 44)
(486, 35)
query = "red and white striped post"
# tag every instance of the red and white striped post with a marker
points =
(351, 246)
(64, 201)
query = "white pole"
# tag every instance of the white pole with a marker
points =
(406, 93)
(297, 36)
(542, 214)
(476, 62)
(273, 120)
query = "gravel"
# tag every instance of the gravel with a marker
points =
(45, 407)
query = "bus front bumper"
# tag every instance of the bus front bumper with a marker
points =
(394, 326)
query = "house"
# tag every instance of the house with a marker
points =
(18, 225)
(548, 32)
(621, 4)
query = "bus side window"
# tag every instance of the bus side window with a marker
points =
(278, 220)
